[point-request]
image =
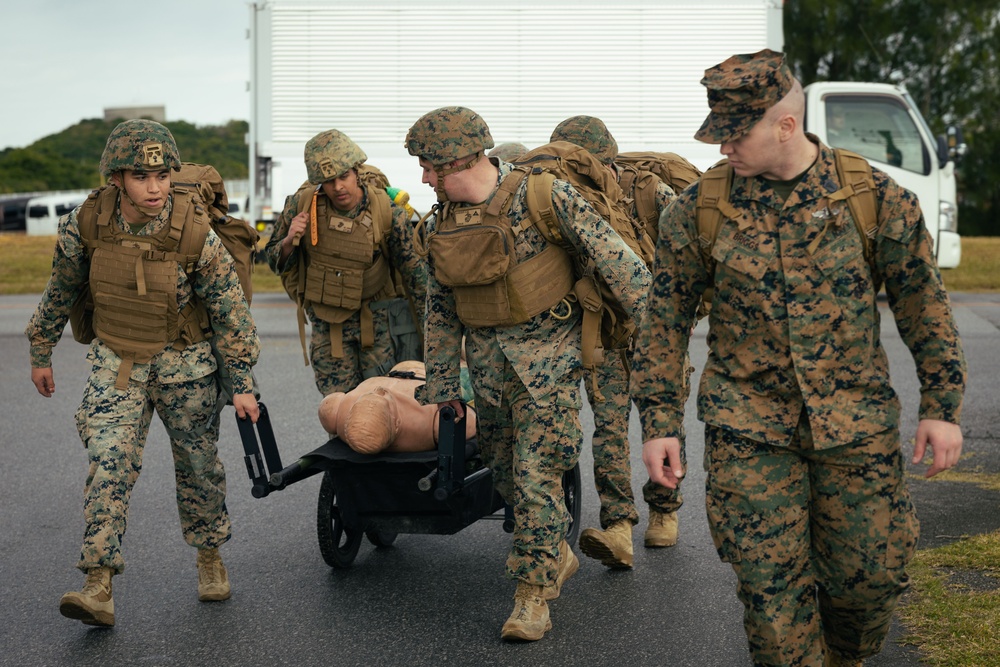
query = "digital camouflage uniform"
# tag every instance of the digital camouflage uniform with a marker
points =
(335, 374)
(805, 489)
(178, 385)
(526, 380)
(657, 497)
(612, 407)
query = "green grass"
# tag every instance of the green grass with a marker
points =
(952, 612)
(979, 270)
(26, 261)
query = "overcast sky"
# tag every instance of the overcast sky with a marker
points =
(62, 61)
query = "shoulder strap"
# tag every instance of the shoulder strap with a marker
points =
(187, 234)
(712, 205)
(858, 189)
(540, 208)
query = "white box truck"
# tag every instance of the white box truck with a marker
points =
(371, 69)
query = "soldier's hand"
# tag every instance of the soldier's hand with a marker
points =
(456, 405)
(246, 406)
(945, 440)
(42, 379)
(297, 227)
(662, 457)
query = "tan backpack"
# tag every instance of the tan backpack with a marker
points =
(606, 324)
(640, 175)
(712, 207)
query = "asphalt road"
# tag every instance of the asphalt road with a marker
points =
(428, 600)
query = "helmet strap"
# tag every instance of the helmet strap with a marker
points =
(146, 213)
(444, 170)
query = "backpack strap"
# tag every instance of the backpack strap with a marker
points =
(541, 211)
(711, 208)
(858, 189)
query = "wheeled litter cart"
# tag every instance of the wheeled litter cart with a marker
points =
(380, 496)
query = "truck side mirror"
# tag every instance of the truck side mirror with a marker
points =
(957, 147)
(943, 154)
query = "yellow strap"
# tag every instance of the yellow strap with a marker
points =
(313, 225)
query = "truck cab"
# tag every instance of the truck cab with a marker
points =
(882, 123)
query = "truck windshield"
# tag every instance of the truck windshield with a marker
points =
(877, 127)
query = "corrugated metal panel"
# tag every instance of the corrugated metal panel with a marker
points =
(372, 69)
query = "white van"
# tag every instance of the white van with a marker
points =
(43, 212)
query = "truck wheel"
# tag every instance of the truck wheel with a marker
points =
(338, 544)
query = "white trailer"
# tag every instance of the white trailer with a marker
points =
(371, 69)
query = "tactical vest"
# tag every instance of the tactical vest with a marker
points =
(343, 262)
(857, 190)
(473, 252)
(133, 279)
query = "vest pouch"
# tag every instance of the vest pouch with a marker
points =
(336, 287)
(132, 324)
(531, 287)
(469, 256)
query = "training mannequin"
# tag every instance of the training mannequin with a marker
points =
(381, 414)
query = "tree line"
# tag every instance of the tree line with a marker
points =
(946, 52)
(69, 159)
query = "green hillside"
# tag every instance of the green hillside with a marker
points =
(68, 160)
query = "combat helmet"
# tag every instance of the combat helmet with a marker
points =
(590, 133)
(330, 154)
(448, 134)
(139, 145)
(445, 135)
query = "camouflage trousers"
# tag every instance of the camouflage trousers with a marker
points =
(358, 363)
(819, 540)
(612, 466)
(113, 425)
(529, 444)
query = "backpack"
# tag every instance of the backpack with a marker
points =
(238, 237)
(639, 176)
(606, 324)
(712, 207)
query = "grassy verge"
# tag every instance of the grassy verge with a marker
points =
(952, 612)
(979, 270)
(26, 261)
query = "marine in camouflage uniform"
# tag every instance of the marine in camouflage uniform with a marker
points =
(806, 493)
(332, 158)
(526, 376)
(612, 407)
(177, 382)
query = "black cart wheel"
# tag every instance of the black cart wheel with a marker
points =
(573, 490)
(338, 544)
(380, 538)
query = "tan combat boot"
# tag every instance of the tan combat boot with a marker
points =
(568, 565)
(530, 619)
(213, 580)
(94, 604)
(662, 529)
(613, 547)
